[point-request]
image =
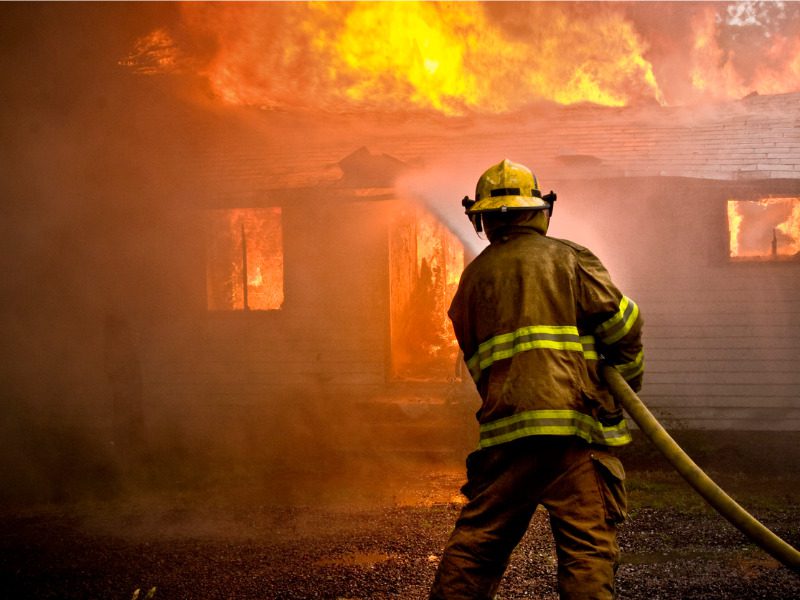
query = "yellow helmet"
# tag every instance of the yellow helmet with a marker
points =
(503, 187)
(507, 186)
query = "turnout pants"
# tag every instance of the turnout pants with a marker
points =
(582, 488)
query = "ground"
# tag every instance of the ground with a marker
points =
(377, 533)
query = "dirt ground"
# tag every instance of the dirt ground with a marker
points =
(377, 532)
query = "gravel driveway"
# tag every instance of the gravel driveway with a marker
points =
(374, 541)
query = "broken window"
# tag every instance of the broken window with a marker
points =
(766, 229)
(244, 264)
(426, 261)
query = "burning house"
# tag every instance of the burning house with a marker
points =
(257, 254)
(695, 212)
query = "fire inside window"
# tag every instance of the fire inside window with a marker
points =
(426, 261)
(244, 268)
(766, 229)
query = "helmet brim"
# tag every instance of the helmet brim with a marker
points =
(500, 203)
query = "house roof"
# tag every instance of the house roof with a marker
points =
(251, 151)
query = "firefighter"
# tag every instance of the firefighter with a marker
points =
(533, 315)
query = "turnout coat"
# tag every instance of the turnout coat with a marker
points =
(533, 315)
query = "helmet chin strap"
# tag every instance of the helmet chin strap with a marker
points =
(477, 222)
(551, 200)
(475, 219)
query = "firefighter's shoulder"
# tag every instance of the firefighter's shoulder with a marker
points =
(582, 253)
(577, 248)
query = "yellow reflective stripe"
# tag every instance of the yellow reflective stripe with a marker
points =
(632, 369)
(553, 422)
(506, 345)
(617, 326)
(529, 330)
(544, 413)
(589, 352)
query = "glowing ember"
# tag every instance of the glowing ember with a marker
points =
(245, 259)
(154, 53)
(456, 58)
(426, 263)
(768, 228)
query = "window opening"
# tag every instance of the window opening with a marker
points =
(244, 268)
(426, 261)
(766, 229)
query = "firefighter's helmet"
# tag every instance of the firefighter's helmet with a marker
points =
(504, 187)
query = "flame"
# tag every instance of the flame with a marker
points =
(457, 58)
(767, 228)
(790, 228)
(154, 53)
(717, 73)
(251, 239)
(734, 227)
(426, 261)
(451, 57)
(257, 279)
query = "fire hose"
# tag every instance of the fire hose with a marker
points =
(696, 477)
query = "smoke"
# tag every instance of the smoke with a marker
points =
(106, 173)
(699, 51)
(116, 377)
(440, 189)
(580, 215)
(89, 218)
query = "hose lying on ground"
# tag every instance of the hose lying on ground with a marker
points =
(696, 477)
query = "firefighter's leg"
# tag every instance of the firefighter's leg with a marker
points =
(490, 526)
(586, 503)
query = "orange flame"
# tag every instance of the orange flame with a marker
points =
(767, 228)
(426, 264)
(714, 71)
(456, 58)
(248, 239)
(734, 227)
(154, 53)
(394, 55)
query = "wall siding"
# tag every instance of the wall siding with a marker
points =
(722, 338)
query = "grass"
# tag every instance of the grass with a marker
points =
(661, 489)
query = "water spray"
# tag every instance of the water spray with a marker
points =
(434, 193)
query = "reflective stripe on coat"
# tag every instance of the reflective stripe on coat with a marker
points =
(533, 315)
